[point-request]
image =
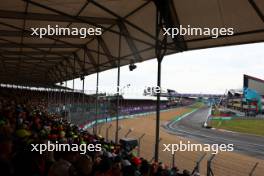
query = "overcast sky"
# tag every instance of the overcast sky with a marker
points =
(200, 71)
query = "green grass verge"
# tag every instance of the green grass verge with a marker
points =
(255, 127)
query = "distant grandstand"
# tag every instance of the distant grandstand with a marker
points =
(250, 99)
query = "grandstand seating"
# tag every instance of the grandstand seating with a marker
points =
(25, 120)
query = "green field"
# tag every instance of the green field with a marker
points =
(255, 127)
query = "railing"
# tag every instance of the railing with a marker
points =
(196, 162)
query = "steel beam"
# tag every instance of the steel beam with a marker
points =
(3, 64)
(81, 20)
(8, 53)
(70, 66)
(79, 62)
(51, 38)
(90, 57)
(27, 33)
(38, 45)
(52, 17)
(130, 42)
(123, 19)
(106, 50)
(50, 59)
(170, 20)
(37, 50)
(257, 9)
(58, 71)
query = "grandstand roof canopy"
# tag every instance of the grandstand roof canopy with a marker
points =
(27, 59)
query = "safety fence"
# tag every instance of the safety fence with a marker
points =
(205, 163)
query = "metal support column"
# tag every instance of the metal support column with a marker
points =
(83, 84)
(118, 85)
(47, 89)
(65, 94)
(65, 101)
(96, 105)
(60, 100)
(73, 88)
(160, 50)
(97, 85)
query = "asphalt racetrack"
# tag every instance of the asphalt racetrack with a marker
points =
(191, 127)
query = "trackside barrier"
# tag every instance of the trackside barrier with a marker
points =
(253, 169)
(119, 128)
(237, 165)
(129, 131)
(173, 160)
(152, 159)
(100, 129)
(197, 166)
(107, 132)
(139, 143)
(110, 119)
(221, 165)
(209, 168)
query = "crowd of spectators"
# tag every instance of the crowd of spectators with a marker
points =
(24, 120)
